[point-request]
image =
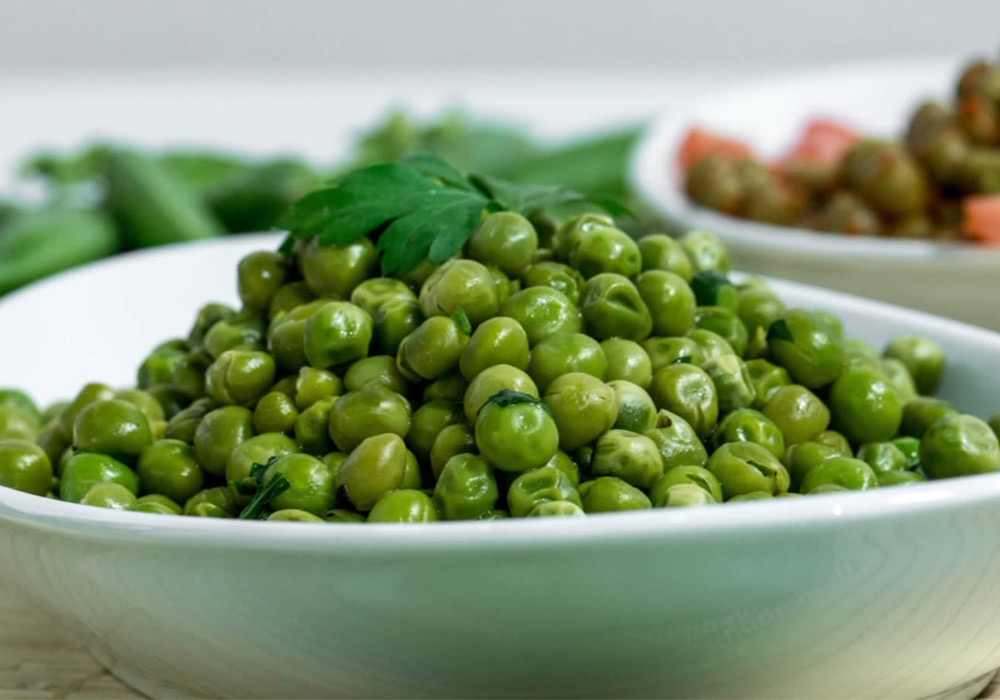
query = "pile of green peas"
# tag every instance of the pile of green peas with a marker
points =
(553, 370)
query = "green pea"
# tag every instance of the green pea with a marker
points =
(433, 349)
(311, 483)
(454, 439)
(661, 252)
(563, 353)
(882, 456)
(215, 502)
(802, 342)
(910, 447)
(378, 465)
(259, 277)
(154, 508)
(25, 467)
(275, 413)
(335, 333)
(240, 377)
(109, 495)
(158, 367)
(861, 352)
(900, 478)
(543, 312)
(334, 271)
(466, 489)
(207, 316)
(558, 276)
(607, 494)
(846, 472)
(376, 369)
(758, 308)
(632, 457)
(689, 392)
(16, 397)
(801, 457)
(798, 413)
(712, 344)
(16, 423)
(427, 422)
(668, 351)
(604, 249)
(88, 395)
(169, 467)
(677, 441)
(218, 434)
(286, 336)
(897, 374)
(564, 463)
(144, 401)
(112, 427)
(865, 406)
(160, 500)
(288, 297)
(684, 495)
(835, 440)
(516, 432)
(733, 384)
(294, 515)
(491, 382)
(393, 322)
(543, 485)
(84, 470)
(636, 410)
(921, 413)
(184, 423)
(448, 387)
(748, 425)
(584, 407)
(670, 301)
(403, 506)
(240, 332)
(569, 234)
(506, 240)
(372, 294)
(314, 385)
(52, 441)
(697, 476)
(706, 251)
(743, 467)
(497, 341)
(959, 445)
(257, 450)
(627, 361)
(556, 509)
(612, 308)
(725, 324)
(372, 410)
(339, 515)
(923, 357)
(460, 284)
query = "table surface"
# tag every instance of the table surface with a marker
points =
(41, 659)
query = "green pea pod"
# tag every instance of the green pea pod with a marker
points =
(37, 244)
(254, 198)
(153, 205)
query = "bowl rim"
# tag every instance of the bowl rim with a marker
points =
(652, 163)
(749, 518)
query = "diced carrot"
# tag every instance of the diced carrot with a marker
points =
(700, 143)
(823, 141)
(981, 218)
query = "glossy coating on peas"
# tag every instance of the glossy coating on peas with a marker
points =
(748, 425)
(900, 478)
(311, 483)
(560, 277)
(218, 434)
(497, 341)
(275, 413)
(670, 301)
(798, 413)
(689, 392)
(112, 427)
(959, 445)
(334, 271)
(724, 323)
(109, 495)
(314, 385)
(801, 457)
(677, 441)
(516, 432)
(259, 276)
(804, 344)
(288, 297)
(629, 456)
(627, 361)
(240, 332)
(466, 488)
(661, 252)
(376, 369)
(712, 344)
(335, 333)
(426, 424)
(923, 357)
(921, 413)
(378, 465)
(372, 410)
(835, 440)
(563, 353)
(845, 472)
(543, 312)
(17, 423)
(698, 476)
(239, 377)
(24, 466)
(605, 249)
(88, 395)
(460, 284)
(706, 251)
(372, 294)
(758, 308)
(433, 349)
(612, 308)
(636, 410)
(491, 382)
(684, 495)
(393, 322)
(404, 506)
(584, 407)
(882, 457)
(538, 486)
(668, 351)
(733, 384)
(286, 336)
(607, 494)
(161, 501)
(455, 439)
(743, 467)
(257, 450)
(865, 406)
(184, 423)
(85, 470)
(169, 467)
(215, 502)
(506, 240)
(449, 387)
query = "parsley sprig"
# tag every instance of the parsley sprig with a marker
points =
(418, 207)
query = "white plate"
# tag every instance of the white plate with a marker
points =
(889, 593)
(956, 280)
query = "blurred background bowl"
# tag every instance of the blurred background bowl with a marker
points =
(961, 281)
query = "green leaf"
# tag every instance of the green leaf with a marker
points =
(779, 330)
(258, 507)
(525, 199)
(506, 397)
(683, 360)
(461, 320)
(706, 286)
(431, 165)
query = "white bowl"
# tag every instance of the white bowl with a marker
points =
(889, 593)
(956, 280)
